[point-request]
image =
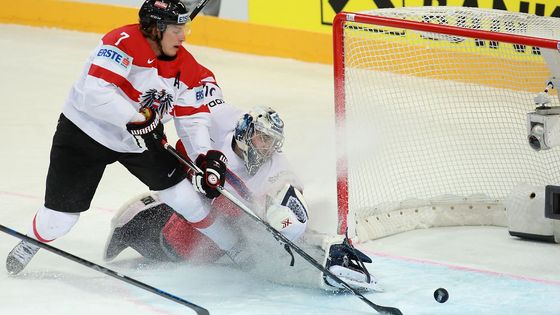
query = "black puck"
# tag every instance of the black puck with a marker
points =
(441, 295)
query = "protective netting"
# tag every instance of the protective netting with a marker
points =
(432, 117)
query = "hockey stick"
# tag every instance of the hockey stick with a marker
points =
(281, 238)
(197, 9)
(198, 309)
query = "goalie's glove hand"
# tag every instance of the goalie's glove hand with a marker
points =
(213, 166)
(542, 98)
(148, 132)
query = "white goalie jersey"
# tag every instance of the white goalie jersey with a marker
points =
(274, 192)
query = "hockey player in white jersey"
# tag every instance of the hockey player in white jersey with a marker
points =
(259, 174)
(138, 75)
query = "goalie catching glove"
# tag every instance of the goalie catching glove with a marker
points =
(147, 129)
(213, 166)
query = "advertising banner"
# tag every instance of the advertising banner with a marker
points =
(317, 15)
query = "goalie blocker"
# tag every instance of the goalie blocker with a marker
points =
(156, 232)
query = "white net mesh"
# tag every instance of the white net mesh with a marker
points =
(433, 117)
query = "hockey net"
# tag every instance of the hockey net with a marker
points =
(431, 107)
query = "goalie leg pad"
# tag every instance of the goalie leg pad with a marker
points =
(138, 225)
(185, 242)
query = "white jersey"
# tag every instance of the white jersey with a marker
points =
(123, 74)
(270, 177)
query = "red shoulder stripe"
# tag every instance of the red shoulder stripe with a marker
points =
(180, 111)
(119, 81)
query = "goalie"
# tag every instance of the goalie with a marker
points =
(258, 174)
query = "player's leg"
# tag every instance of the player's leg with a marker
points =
(76, 165)
(162, 173)
(52, 224)
(329, 251)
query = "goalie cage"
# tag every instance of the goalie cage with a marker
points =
(431, 106)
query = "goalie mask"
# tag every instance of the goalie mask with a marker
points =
(259, 134)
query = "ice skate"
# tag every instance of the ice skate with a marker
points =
(348, 264)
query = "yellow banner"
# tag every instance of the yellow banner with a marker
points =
(538, 7)
(317, 15)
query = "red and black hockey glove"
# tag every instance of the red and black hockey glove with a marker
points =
(147, 133)
(213, 165)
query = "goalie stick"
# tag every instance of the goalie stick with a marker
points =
(198, 309)
(282, 239)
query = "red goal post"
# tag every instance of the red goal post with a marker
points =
(434, 31)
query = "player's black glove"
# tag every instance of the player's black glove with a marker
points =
(147, 133)
(213, 166)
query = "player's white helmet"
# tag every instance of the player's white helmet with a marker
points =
(259, 134)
